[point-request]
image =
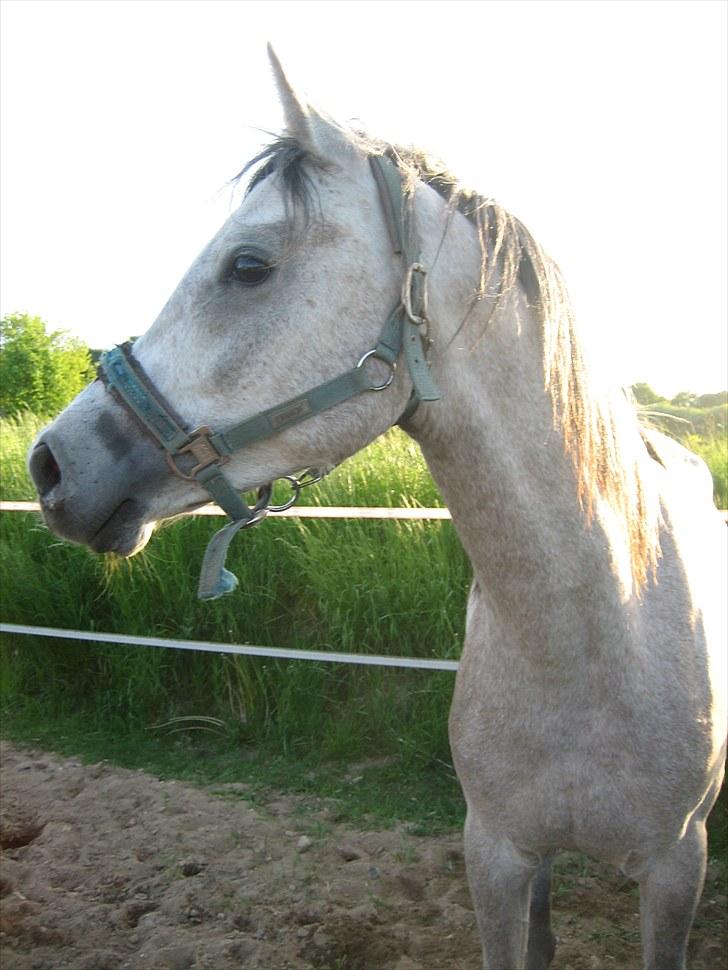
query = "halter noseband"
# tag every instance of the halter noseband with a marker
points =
(209, 450)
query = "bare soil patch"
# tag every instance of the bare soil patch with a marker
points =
(108, 869)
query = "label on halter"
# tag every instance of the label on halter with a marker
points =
(290, 413)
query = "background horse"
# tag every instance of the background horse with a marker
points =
(589, 708)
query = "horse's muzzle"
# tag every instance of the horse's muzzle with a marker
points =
(118, 527)
(96, 480)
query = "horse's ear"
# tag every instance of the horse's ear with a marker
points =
(296, 113)
(312, 130)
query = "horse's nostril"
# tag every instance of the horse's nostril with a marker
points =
(44, 469)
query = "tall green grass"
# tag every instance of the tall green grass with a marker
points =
(366, 586)
(352, 585)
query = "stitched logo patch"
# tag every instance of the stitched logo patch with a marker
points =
(290, 413)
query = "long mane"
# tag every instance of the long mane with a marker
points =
(600, 431)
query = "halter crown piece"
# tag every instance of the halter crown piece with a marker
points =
(210, 450)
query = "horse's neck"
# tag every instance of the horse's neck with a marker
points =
(500, 463)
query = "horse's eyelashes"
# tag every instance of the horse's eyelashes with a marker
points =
(250, 269)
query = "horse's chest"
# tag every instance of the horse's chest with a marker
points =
(556, 756)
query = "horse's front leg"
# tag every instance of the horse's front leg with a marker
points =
(541, 939)
(500, 884)
(669, 892)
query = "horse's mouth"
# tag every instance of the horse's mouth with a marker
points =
(124, 531)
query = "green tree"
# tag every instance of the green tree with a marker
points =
(685, 399)
(712, 400)
(40, 371)
(643, 394)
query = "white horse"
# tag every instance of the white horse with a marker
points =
(589, 711)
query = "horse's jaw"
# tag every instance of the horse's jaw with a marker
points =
(125, 532)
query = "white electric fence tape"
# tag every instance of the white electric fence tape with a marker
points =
(244, 649)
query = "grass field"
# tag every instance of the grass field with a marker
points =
(351, 585)
(394, 587)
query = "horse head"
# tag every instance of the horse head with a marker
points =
(301, 289)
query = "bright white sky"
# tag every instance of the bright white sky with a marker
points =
(602, 125)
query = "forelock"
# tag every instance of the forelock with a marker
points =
(293, 164)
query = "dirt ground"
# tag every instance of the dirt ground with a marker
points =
(108, 869)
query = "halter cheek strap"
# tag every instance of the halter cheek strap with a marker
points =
(412, 310)
(207, 450)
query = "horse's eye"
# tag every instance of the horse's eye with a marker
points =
(251, 270)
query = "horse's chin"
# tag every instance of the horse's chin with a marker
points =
(124, 533)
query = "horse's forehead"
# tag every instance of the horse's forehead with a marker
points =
(334, 193)
(263, 211)
(268, 215)
(265, 202)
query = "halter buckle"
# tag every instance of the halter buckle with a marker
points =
(415, 293)
(202, 450)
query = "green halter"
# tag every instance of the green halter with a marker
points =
(211, 450)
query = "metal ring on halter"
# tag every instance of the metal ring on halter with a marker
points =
(264, 494)
(392, 365)
(296, 491)
(312, 476)
(260, 509)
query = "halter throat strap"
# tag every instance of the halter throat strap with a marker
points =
(198, 455)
